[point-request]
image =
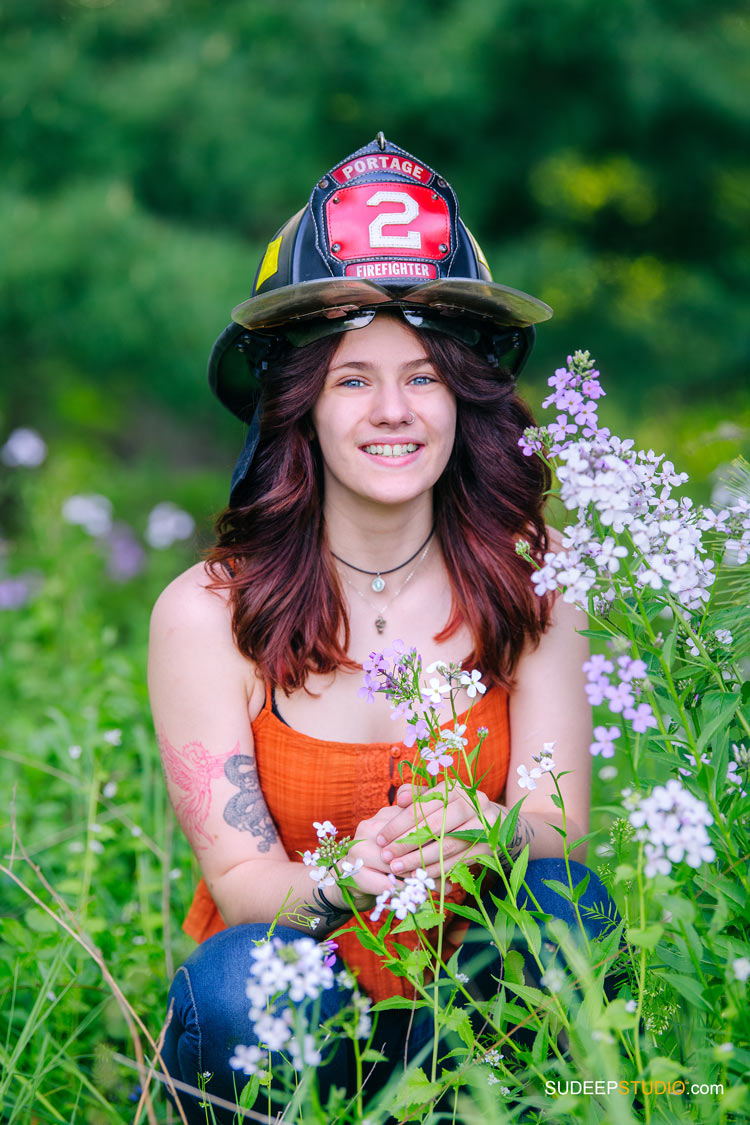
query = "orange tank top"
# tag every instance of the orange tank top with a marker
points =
(306, 779)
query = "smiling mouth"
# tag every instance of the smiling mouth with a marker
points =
(395, 450)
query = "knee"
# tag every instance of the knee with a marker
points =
(596, 908)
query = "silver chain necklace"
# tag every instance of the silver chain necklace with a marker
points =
(380, 621)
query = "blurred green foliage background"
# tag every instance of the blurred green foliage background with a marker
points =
(150, 149)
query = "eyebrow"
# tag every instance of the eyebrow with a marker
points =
(364, 365)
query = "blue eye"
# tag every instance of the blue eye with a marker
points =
(425, 379)
(352, 381)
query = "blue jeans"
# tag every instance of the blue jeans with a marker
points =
(210, 1008)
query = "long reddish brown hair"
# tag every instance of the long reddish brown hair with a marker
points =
(288, 610)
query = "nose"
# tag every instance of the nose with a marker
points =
(390, 407)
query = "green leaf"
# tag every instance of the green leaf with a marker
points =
(688, 987)
(461, 874)
(413, 1090)
(519, 871)
(399, 1002)
(466, 912)
(580, 888)
(717, 708)
(646, 937)
(513, 967)
(506, 827)
(559, 888)
(458, 1020)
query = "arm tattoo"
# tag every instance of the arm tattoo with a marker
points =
(330, 915)
(192, 770)
(523, 834)
(247, 810)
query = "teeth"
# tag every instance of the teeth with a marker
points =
(391, 450)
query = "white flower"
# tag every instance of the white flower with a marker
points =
(546, 764)
(608, 773)
(526, 778)
(553, 979)
(175, 873)
(247, 1059)
(322, 876)
(724, 636)
(462, 978)
(112, 737)
(324, 829)
(472, 681)
(91, 511)
(435, 690)
(631, 1006)
(672, 823)
(311, 858)
(24, 448)
(109, 790)
(741, 968)
(348, 868)
(75, 752)
(493, 1057)
(307, 1055)
(404, 900)
(166, 524)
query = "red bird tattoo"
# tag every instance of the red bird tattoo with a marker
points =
(193, 769)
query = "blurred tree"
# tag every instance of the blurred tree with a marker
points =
(151, 147)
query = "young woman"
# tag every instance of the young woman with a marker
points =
(380, 495)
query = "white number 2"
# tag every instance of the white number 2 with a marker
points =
(412, 238)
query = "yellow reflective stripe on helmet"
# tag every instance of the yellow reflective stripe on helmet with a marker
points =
(270, 262)
(479, 252)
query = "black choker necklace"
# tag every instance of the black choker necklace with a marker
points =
(378, 582)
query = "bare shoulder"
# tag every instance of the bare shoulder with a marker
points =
(191, 623)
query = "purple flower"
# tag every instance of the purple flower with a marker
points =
(414, 731)
(126, 557)
(16, 592)
(641, 717)
(435, 758)
(619, 696)
(604, 743)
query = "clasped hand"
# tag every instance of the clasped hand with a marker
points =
(382, 844)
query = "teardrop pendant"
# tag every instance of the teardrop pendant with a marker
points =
(380, 623)
(378, 584)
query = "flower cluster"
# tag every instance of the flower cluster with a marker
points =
(734, 773)
(618, 490)
(396, 673)
(299, 970)
(575, 392)
(527, 778)
(24, 448)
(620, 696)
(327, 863)
(734, 522)
(405, 898)
(673, 823)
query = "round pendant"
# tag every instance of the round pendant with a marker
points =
(378, 584)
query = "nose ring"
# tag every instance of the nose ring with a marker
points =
(411, 418)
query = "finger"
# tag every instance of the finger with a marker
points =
(433, 869)
(406, 793)
(406, 821)
(444, 819)
(428, 855)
